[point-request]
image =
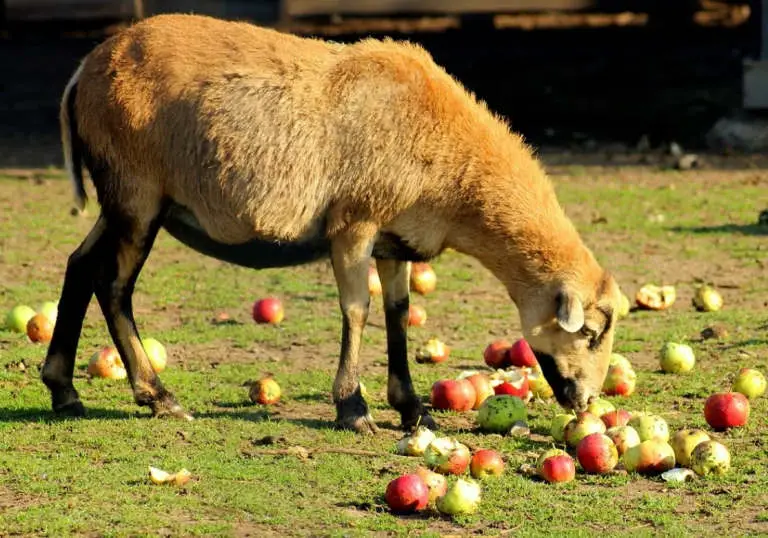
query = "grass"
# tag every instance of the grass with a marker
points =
(63, 477)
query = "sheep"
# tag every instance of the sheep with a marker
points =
(266, 149)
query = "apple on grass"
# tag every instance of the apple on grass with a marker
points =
(453, 394)
(463, 497)
(597, 454)
(40, 329)
(269, 310)
(434, 351)
(265, 391)
(749, 382)
(676, 358)
(650, 427)
(423, 278)
(599, 407)
(407, 493)
(437, 484)
(520, 354)
(624, 437)
(617, 417)
(107, 363)
(417, 316)
(624, 306)
(156, 353)
(50, 310)
(446, 455)
(495, 355)
(584, 424)
(707, 299)
(416, 443)
(18, 317)
(653, 456)
(684, 442)
(710, 457)
(500, 412)
(725, 410)
(558, 425)
(556, 466)
(620, 380)
(655, 297)
(483, 388)
(485, 463)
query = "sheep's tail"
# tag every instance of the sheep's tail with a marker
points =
(71, 142)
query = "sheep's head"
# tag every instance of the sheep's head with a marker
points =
(570, 328)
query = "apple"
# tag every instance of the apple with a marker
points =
(500, 412)
(50, 310)
(749, 382)
(434, 351)
(597, 454)
(726, 410)
(374, 282)
(107, 363)
(423, 278)
(453, 394)
(539, 385)
(269, 310)
(483, 388)
(623, 310)
(521, 355)
(515, 383)
(619, 381)
(653, 456)
(18, 317)
(618, 417)
(156, 353)
(559, 423)
(446, 455)
(558, 468)
(495, 355)
(707, 299)
(485, 463)
(584, 424)
(407, 493)
(650, 427)
(676, 358)
(416, 443)
(655, 297)
(265, 391)
(600, 407)
(620, 360)
(40, 328)
(710, 457)
(436, 483)
(624, 437)
(417, 316)
(683, 443)
(547, 454)
(463, 497)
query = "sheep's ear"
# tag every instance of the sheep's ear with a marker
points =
(570, 311)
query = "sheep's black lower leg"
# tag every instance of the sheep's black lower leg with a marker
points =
(400, 393)
(76, 293)
(126, 247)
(350, 256)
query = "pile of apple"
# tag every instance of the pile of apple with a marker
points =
(38, 326)
(107, 363)
(428, 485)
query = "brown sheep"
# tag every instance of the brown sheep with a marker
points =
(266, 149)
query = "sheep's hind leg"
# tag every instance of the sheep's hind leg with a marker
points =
(129, 241)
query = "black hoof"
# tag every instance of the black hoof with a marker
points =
(352, 414)
(73, 408)
(364, 425)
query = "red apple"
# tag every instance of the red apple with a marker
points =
(40, 328)
(265, 391)
(597, 454)
(620, 380)
(619, 417)
(726, 410)
(495, 354)
(107, 363)
(446, 455)
(624, 437)
(269, 310)
(417, 316)
(483, 388)
(584, 424)
(407, 493)
(521, 355)
(453, 394)
(558, 468)
(486, 463)
(519, 388)
(436, 483)
(434, 351)
(374, 282)
(423, 278)
(653, 456)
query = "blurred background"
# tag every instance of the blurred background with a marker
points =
(577, 76)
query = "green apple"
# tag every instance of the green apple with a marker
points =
(653, 456)
(599, 407)
(707, 299)
(710, 457)
(18, 317)
(585, 424)
(557, 429)
(750, 382)
(650, 427)
(684, 442)
(676, 358)
(462, 497)
(624, 437)
(619, 360)
(623, 311)
(548, 454)
(500, 412)
(50, 310)
(156, 354)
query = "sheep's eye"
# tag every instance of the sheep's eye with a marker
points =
(591, 335)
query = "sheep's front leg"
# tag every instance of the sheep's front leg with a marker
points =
(400, 393)
(350, 256)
